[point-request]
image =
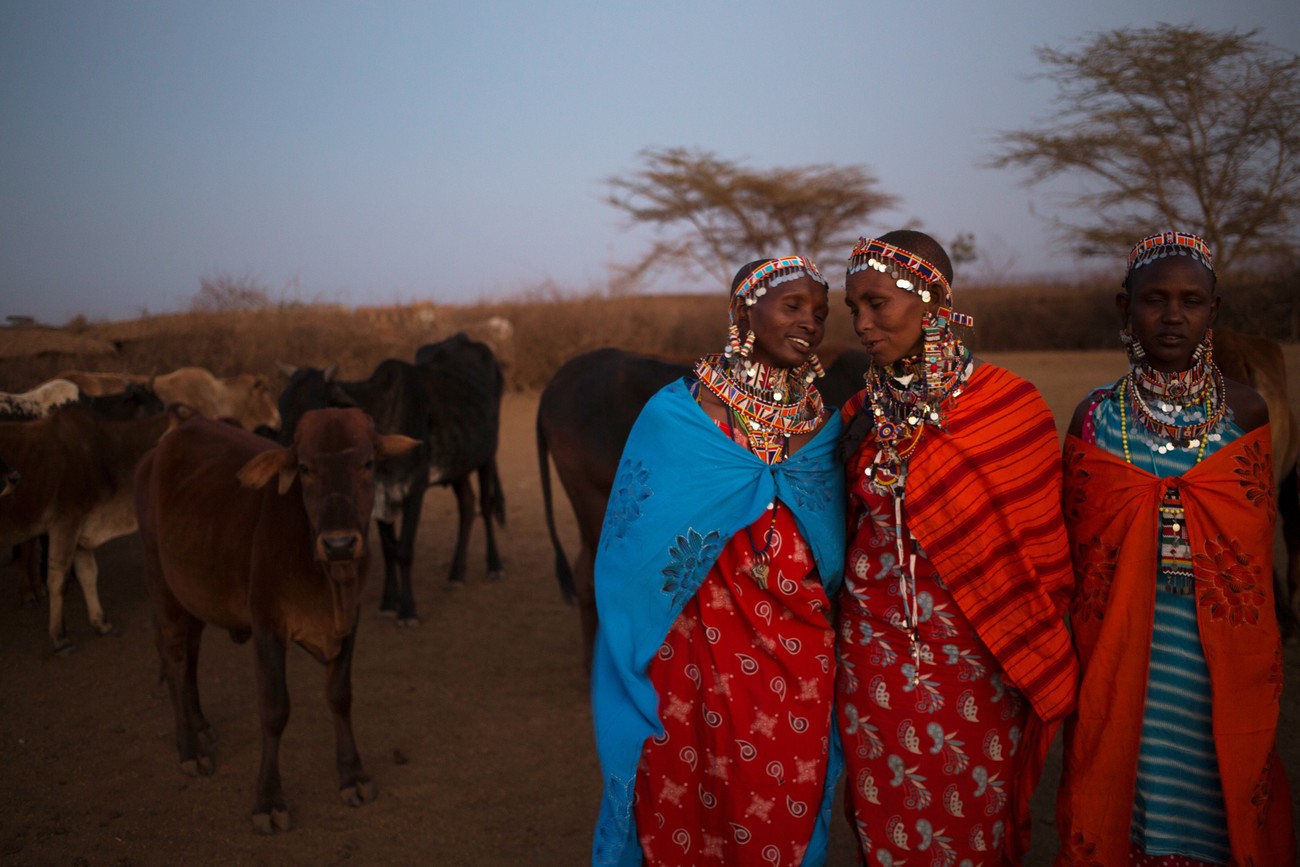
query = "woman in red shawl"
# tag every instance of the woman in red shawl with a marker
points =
(955, 663)
(1170, 759)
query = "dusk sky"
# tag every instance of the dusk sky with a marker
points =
(377, 153)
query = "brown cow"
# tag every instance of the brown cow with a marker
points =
(584, 416)
(77, 470)
(279, 563)
(1259, 362)
(245, 398)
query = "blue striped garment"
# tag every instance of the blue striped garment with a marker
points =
(1178, 799)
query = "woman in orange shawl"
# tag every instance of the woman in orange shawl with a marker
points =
(1170, 758)
(955, 664)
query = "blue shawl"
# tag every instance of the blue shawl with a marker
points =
(683, 489)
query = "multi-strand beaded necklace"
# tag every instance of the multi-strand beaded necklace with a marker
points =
(1200, 384)
(1172, 394)
(768, 402)
(907, 397)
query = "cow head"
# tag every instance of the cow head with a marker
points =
(332, 458)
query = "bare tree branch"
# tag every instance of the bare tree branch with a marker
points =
(1172, 127)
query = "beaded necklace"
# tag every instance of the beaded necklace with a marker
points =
(1202, 383)
(771, 406)
(912, 394)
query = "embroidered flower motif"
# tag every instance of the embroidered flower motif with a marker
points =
(1095, 570)
(611, 835)
(631, 489)
(1229, 579)
(1259, 795)
(1255, 468)
(812, 490)
(689, 563)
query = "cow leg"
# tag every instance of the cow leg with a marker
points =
(464, 492)
(178, 635)
(389, 601)
(30, 554)
(270, 814)
(63, 544)
(355, 788)
(411, 508)
(87, 569)
(488, 493)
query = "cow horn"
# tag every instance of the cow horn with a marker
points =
(287, 369)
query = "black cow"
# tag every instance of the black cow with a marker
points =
(137, 401)
(466, 386)
(584, 416)
(396, 397)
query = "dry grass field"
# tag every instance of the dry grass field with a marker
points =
(475, 725)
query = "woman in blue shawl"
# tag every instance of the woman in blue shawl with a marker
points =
(723, 541)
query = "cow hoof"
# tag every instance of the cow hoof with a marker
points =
(409, 622)
(389, 613)
(269, 823)
(363, 791)
(200, 766)
(496, 574)
(106, 629)
(63, 647)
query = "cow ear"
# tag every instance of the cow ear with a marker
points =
(257, 472)
(392, 445)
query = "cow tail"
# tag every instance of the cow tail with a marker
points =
(563, 573)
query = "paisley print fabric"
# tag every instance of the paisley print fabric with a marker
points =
(929, 732)
(745, 680)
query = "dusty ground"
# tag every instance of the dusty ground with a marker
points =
(475, 725)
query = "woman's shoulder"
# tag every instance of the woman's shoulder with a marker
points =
(1094, 398)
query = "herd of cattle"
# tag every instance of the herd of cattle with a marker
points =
(254, 509)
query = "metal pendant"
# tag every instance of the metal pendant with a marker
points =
(759, 571)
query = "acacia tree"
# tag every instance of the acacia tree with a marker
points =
(712, 213)
(1172, 127)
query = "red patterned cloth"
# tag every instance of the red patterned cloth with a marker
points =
(983, 501)
(745, 681)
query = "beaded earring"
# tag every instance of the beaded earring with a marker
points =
(733, 340)
(1133, 346)
(747, 348)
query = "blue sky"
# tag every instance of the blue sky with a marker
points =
(388, 152)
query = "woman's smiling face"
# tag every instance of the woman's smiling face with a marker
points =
(788, 321)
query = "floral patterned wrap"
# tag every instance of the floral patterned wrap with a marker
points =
(681, 492)
(1111, 510)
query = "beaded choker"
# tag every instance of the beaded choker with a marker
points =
(908, 396)
(1202, 384)
(772, 405)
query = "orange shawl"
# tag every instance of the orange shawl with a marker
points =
(1111, 510)
(983, 499)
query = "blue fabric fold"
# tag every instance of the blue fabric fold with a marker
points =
(683, 489)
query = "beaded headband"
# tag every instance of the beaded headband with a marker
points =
(876, 254)
(1164, 244)
(774, 272)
